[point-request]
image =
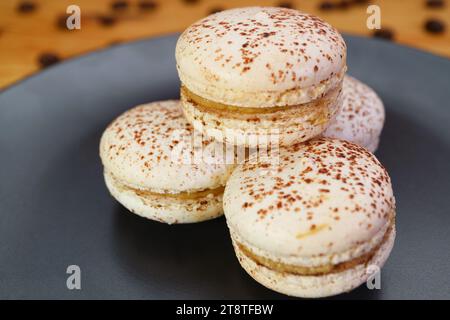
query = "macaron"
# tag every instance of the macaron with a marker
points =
(254, 75)
(157, 166)
(361, 117)
(314, 224)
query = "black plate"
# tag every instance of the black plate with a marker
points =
(55, 210)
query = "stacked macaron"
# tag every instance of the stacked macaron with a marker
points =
(248, 74)
(271, 132)
(361, 117)
(310, 225)
(151, 168)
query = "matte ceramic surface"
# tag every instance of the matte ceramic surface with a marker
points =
(55, 210)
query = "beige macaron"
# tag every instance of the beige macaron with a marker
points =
(158, 167)
(317, 223)
(258, 74)
(361, 118)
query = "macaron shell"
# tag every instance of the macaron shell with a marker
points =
(316, 286)
(286, 128)
(262, 56)
(166, 210)
(149, 147)
(326, 200)
(361, 118)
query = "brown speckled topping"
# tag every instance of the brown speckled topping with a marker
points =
(361, 118)
(152, 147)
(326, 196)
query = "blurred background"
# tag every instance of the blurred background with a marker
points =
(33, 33)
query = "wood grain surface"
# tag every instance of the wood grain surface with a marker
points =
(31, 37)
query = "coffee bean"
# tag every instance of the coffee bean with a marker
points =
(434, 26)
(119, 5)
(215, 10)
(360, 1)
(435, 3)
(386, 34)
(190, 1)
(287, 5)
(26, 7)
(47, 59)
(327, 5)
(61, 22)
(147, 5)
(343, 4)
(106, 20)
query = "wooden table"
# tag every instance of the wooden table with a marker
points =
(25, 36)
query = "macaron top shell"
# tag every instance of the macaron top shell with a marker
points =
(326, 200)
(150, 147)
(361, 118)
(286, 56)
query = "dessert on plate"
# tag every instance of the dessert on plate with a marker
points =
(312, 225)
(361, 117)
(253, 75)
(146, 153)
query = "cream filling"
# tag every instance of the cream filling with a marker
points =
(314, 113)
(212, 192)
(207, 105)
(213, 106)
(328, 268)
(260, 98)
(182, 195)
(359, 249)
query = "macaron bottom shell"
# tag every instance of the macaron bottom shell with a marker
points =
(284, 127)
(307, 286)
(166, 209)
